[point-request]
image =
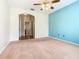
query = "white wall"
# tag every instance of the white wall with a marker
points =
(4, 24)
(41, 23)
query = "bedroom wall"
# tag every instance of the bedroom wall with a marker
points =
(4, 24)
(64, 24)
(41, 23)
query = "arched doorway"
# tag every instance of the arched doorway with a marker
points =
(26, 26)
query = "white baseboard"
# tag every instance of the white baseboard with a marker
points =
(64, 41)
(4, 47)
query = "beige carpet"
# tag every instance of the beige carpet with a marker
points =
(43, 48)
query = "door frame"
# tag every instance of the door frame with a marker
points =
(33, 26)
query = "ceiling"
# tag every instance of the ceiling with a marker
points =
(28, 4)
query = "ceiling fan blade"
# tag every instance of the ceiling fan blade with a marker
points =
(41, 9)
(37, 4)
(55, 1)
(51, 7)
(32, 9)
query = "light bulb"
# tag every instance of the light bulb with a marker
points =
(47, 6)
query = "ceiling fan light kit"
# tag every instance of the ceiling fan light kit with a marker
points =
(46, 5)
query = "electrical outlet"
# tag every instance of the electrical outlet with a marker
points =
(63, 35)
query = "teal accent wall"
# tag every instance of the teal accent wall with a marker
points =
(64, 23)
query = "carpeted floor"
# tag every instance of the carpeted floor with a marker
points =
(43, 48)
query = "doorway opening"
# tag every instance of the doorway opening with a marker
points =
(26, 26)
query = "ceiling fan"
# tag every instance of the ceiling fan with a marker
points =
(46, 4)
